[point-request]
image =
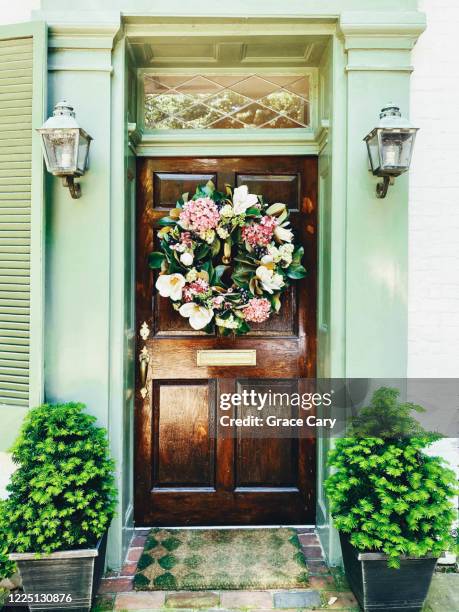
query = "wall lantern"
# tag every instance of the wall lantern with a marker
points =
(390, 146)
(65, 146)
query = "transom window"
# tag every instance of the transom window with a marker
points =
(206, 101)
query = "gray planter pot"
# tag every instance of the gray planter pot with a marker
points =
(379, 588)
(73, 573)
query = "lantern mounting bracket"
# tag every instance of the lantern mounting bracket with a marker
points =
(74, 188)
(383, 186)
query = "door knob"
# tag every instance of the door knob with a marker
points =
(144, 360)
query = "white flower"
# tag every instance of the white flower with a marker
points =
(227, 211)
(274, 253)
(283, 234)
(266, 260)
(222, 232)
(170, 285)
(242, 199)
(187, 259)
(208, 236)
(230, 322)
(198, 315)
(286, 248)
(269, 280)
(285, 252)
(192, 275)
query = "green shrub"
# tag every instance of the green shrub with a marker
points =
(386, 492)
(6, 567)
(62, 495)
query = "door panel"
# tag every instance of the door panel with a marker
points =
(190, 469)
(184, 434)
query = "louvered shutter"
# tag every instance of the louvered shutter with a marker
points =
(22, 86)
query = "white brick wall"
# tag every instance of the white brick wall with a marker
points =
(433, 334)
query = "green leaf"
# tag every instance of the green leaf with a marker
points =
(218, 273)
(156, 259)
(208, 267)
(296, 271)
(167, 221)
(215, 247)
(208, 188)
(243, 328)
(298, 255)
(253, 211)
(202, 251)
(276, 302)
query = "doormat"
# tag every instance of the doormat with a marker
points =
(222, 559)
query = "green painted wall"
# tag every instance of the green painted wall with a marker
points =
(89, 333)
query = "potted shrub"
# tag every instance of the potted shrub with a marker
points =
(60, 505)
(6, 571)
(391, 504)
(9, 578)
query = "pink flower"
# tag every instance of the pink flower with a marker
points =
(196, 287)
(257, 310)
(185, 239)
(199, 215)
(260, 234)
(217, 302)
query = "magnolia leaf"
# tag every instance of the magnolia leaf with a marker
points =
(155, 260)
(215, 247)
(218, 273)
(283, 216)
(276, 303)
(243, 328)
(227, 251)
(209, 188)
(209, 328)
(174, 213)
(202, 251)
(167, 221)
(208, 267)
(254, 287)
(185, 196)
(249, 262)
(276, 209)
(229, 191)
(253, 211)
(296, 271)
(298, 255)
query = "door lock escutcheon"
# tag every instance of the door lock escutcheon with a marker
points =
(144, 360)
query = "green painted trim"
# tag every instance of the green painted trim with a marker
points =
(381, 24)
(235, 27)
(37, 272)
(381, 68)
(76, 68)
(224, 8)
(227, 142)
(196, 150)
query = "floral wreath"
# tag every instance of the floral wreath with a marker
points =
(226, 259)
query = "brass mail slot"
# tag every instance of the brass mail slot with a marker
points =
(230, 357)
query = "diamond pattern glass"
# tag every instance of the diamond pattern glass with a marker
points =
(230, 101)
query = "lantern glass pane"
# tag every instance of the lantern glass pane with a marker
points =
(61, 146)
(83, 148)
(373, 152)
(396, 150)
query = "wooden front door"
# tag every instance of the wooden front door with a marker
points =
(189, 470)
